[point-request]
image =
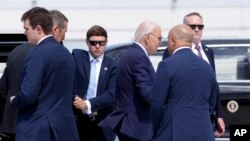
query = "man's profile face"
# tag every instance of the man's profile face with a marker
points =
(59, 32)
(171, 42)
(29, 32)
(156, 38)
(63, 31)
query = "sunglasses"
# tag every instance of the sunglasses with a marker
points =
(94, 43)
(193, 26)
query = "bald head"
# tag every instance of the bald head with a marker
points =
(179, 36)
(182, 32)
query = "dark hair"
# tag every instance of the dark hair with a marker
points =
(58, 18)
(39, 16)
(97, 30)
(191, 14)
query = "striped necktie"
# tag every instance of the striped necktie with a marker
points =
(198, 48)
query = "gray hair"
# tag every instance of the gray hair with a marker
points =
(144, 28)
(58, 18)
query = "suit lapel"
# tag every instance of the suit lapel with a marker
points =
(102, 74)
(139, 48)
(86, 64)
(46, 40)
(207, 52)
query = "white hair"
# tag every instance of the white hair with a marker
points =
(144, 28)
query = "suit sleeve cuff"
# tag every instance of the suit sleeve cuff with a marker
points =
(88, 110)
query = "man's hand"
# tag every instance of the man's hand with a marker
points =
(79, 103)
(221, 127)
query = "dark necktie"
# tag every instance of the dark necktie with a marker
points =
(198, 48)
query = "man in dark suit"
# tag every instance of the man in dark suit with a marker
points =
(131, 118)
(94, 87)
(10, 81)
(44, 101)
(185, 92)
(195, 21)
(60, 25)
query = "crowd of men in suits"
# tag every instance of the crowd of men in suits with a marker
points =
(54, 95)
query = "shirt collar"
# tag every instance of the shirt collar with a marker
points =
(99, 58)
(143, 48)
(43, 39)
(181, 48)
(194, 45)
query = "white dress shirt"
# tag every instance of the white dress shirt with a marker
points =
(204, 56)
(98, 69)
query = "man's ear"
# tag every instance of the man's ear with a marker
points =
(55, 28)
(39, 29)
(173, 39)
(147, 38)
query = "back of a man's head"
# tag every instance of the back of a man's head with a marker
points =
(182, 32)
(179, 36)
(58, 18)
(39, 16)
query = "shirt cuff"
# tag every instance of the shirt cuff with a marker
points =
(88, 111)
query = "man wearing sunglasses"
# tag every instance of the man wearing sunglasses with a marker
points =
(94, 88)
(195, 21)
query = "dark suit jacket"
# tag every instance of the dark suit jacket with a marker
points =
(185, 92)
(45, 98)
(210, 55)
(10, 85)
(135, 76)
(104, 101)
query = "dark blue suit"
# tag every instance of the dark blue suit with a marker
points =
(10, 85)
(104, 101)
(210, 55)
(185, 91)
(135, 76)
(45, 98)
(208, 51)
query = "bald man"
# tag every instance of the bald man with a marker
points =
(184, 92)
(195, 21)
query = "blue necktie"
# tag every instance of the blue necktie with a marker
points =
(92, 80)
